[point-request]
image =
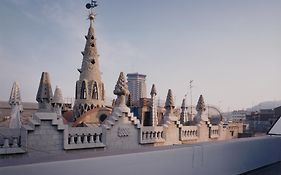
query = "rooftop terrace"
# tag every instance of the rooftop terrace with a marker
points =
(224, 157)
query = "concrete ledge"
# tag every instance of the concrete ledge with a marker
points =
(220, 158)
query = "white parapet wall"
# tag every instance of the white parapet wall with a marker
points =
(12, 141)
(189, 133)
(221, 158)
(151, 134)
(83, 137)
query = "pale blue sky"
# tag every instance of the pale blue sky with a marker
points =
(231, 49)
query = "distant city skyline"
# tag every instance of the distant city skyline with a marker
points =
(231, 49)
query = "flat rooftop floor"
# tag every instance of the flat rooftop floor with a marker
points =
(272, 169)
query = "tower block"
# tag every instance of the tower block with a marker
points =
(89, 88)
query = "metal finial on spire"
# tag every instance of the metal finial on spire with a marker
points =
(91, 5)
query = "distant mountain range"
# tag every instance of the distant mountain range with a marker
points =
(265, 105)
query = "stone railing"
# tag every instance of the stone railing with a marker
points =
(83, 137)
(189, 133)
(12, 141)
(214, 132)
(151, 134)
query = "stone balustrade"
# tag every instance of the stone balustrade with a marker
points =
(188, 133)
(214, 132)
(151, 134)
(83, 137)
(12, 141)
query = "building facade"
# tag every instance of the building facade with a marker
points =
(99, 127)
(137, 86)
(261, 121)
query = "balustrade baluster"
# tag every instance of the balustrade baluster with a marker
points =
(79, 139)
(92, 139)
(98, 138)
(71, 139)
(85, 139)
(6, 143)
(15, 142)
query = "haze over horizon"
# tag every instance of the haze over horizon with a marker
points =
(231, 49)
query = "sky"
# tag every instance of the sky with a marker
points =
(230, 49)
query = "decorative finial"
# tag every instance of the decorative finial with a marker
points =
(169, 100)
(121, 90)
(201, 104)
(121, 87)
(91, 6)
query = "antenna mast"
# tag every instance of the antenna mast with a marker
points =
(190, 88)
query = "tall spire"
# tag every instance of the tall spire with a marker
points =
(90, 54)
(44, 93)
(154, 117)
(89, 88)
(15, 102)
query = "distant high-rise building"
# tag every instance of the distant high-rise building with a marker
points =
(137, 86)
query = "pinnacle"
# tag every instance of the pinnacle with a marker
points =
(169, 99)
(15, 95)
(45, 90)
(58, 98)
(121, 87)
(153, 90)
(201, 104)
(90, 50)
